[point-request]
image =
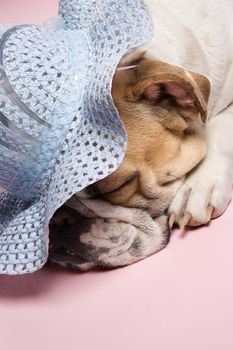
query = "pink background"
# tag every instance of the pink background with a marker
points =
(181, 298)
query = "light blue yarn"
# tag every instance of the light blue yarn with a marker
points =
(59, 128)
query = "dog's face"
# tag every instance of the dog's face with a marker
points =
(163, 108)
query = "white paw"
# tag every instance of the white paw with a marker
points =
(205, 194)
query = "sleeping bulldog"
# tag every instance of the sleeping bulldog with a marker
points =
(175, 98)
(176, 105)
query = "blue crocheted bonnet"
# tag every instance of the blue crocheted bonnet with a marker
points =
(59, 129)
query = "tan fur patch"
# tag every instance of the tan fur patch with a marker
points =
(163, 145)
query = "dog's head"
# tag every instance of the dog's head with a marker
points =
(163, 108)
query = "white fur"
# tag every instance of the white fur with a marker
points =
(127, 226)
(198, 35)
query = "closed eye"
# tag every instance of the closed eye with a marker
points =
(127, 182)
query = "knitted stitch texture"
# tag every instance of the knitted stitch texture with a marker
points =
(59, 128)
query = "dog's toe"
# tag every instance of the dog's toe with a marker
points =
(204, 196)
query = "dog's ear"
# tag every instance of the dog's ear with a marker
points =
(171, 86)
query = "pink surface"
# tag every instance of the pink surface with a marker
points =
(181, 298)
(27, 11)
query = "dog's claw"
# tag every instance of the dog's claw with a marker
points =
(171, 220)
(185, 221)
(209, 213)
